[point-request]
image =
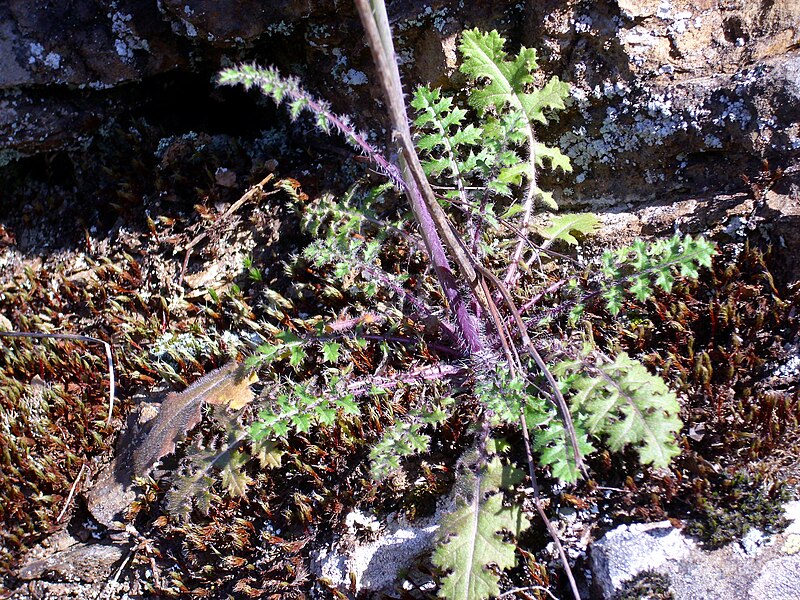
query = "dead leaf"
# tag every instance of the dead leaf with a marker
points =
(180, 412)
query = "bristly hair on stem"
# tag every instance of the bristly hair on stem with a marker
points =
(288, 89)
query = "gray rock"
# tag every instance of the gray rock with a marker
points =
(59, 59)
(223, 23)
(779, 579)
(630, 549)
(666, 95)
(374, 557)
(757, 568)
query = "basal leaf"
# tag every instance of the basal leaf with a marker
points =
(180, 412)
(554, 156)
(626, 404)
(268, 453)
(550, 97)
(471, 539)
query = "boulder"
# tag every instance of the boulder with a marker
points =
(756, 567)
(671, 100)
(60, 63)
(662, 89)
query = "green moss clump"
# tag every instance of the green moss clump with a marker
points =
(647, 585)
(740, 503)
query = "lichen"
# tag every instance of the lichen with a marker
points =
(279, 28)
(125, 40)
(636, 117)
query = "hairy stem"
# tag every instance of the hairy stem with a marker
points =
(427, 212)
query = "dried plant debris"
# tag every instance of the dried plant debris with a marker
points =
(181, 412)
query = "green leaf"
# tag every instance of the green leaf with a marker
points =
(341, 270)
(664, 279)
(484, 58)
(296, 355)
(641, 288)
(513, 210)
(472, 538)
(556, 450)
(507, 80)
(564, 226)
(555, 157)
(325, 415)
(268, 453)
(497, 446)
(269, 352)
(647, 265)
(296, 106)
(512, 174)
(348, 405)
(550, 97)
(468, 136)
(500, 476)
(547, 200)
(330, 352)
(280, 429)
(436, 167)
(302, 422)
(628, 405)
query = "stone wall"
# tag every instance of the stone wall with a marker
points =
(668, 96)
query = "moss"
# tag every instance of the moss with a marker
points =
(54, 393)
(647, 585)
(737, 504)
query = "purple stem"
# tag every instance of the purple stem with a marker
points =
(435, 372)
(464, 319)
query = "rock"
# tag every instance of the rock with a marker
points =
(780, 578)
(668, 99)
(233, 22)
(85, 43)
(69, 560)
(724, 217)
(57, 61)
(668, 96)
(374, 558)
(628, 550)
(758, 567)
